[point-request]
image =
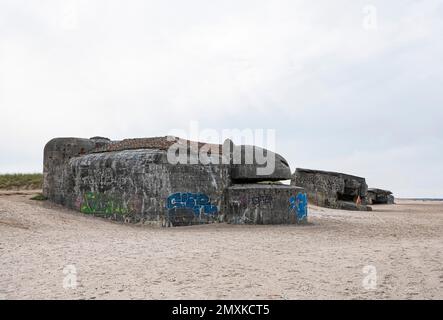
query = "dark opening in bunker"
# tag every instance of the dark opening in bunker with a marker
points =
(345, 197)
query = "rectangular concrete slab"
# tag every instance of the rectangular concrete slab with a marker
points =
(266, 204)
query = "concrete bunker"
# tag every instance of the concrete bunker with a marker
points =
(133, 180)
(333, 189)
(380, 196)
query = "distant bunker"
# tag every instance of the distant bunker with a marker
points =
(339, 190)
(380, 196)
(134, 181)
(333, 189)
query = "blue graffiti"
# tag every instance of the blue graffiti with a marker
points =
(299, 205)
(198, 202)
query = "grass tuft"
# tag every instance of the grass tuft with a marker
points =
(39, 197)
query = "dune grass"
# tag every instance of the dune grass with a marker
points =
(21, 181)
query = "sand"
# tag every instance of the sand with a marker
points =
(325, 259)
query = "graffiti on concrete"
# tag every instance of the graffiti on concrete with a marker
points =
(197, 202)
(244, 201)
(299, 206)
(262, 199)
(100, 203)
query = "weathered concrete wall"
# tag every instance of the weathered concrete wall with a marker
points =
(56, 175)
(140, 186)
(332, 189)
(380, 196)
(266, 204)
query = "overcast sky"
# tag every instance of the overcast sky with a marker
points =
(346, 87)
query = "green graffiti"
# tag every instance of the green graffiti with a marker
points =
(100, 203)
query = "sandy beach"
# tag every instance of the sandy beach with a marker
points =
(325, 259)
